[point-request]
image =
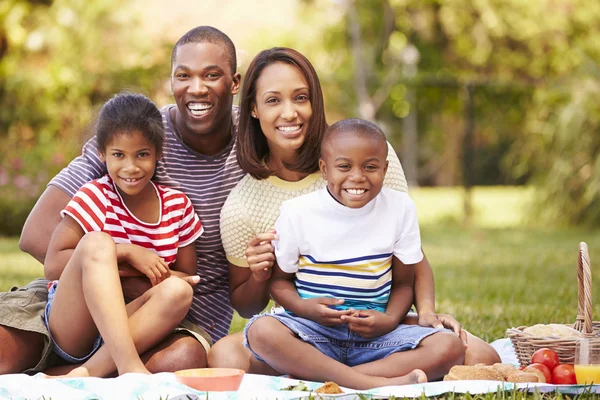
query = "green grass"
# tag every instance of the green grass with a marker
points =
(495, 274)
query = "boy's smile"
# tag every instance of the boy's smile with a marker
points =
(354, 166)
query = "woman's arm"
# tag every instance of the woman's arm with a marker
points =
(248, 291)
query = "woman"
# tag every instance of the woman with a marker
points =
(282, 121)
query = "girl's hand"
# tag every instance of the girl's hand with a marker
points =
(318, 310)
(149, 263)
(260, 255)
(370, 323)
(443, 321)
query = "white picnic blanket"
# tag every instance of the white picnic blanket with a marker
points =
(164, 385)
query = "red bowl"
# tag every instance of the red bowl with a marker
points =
(211, 379)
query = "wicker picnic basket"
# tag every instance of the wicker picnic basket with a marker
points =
(525, 344)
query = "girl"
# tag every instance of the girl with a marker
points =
(121, 225)
(282, 121)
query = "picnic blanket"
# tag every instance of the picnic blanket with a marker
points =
(164, 385)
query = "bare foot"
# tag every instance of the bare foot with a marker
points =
(137, 368)
(415, 376)
(79, 372)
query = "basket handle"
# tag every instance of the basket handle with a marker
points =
(584, 291)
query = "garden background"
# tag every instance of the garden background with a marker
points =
(492, 106)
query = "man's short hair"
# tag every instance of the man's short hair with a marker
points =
(208, 34)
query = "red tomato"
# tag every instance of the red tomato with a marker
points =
(545, 356)
(564, 374)
(535, 367)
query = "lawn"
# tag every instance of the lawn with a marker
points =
(495, 274)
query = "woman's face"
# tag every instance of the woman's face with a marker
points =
(282, 105)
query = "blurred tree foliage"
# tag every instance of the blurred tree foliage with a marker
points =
(59, 60)
(536, 106)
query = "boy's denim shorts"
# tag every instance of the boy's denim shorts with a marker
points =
(60, 352)
(347, 347)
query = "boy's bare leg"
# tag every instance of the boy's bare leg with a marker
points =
(435, 355)
(19, 350)
(151, 317)
(230, 352)
(478, 350)
(281, 349)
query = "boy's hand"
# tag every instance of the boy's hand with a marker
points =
(260, 255)
(443, 321)
(150, 264)
(370, 323)
(318, 310)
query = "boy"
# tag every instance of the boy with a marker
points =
(335, 277)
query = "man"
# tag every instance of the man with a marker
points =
(199, 159)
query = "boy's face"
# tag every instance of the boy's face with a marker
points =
(354, 167)
(130, 160)
(203, 87)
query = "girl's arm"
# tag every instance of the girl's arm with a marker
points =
(63, 242)
(185, 264)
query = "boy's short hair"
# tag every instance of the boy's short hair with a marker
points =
(356, 126)
(208, 34)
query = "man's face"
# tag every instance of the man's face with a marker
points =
(203, 87)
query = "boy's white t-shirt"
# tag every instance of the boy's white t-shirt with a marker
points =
(343, 252)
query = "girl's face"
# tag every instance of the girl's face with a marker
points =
(130, 159)
(282, 105)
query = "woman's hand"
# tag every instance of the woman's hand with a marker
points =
(318, 310)
(443, 321)
(148, 263)
(370, 323)
(260, 255)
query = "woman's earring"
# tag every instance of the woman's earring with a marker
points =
(254, 115)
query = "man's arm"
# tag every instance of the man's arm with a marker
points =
(42, 221)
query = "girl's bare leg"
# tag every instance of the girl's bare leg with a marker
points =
(152, 317)
(89, 299)
(282, 350)
(435, 355)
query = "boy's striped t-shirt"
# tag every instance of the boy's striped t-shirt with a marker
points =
(207, 181)
(98, 207)
(346, 253)
(363, 282)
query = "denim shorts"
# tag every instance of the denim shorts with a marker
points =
(344, 346)
(60, 352)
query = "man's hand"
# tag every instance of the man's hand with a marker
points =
(149, 263)
(443, 321)
(370, 323)
(260, 255)
(318, 310)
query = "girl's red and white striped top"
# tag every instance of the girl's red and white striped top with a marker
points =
(98, 206)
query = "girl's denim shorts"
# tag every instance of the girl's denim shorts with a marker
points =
(60, 352)
(347, 347)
